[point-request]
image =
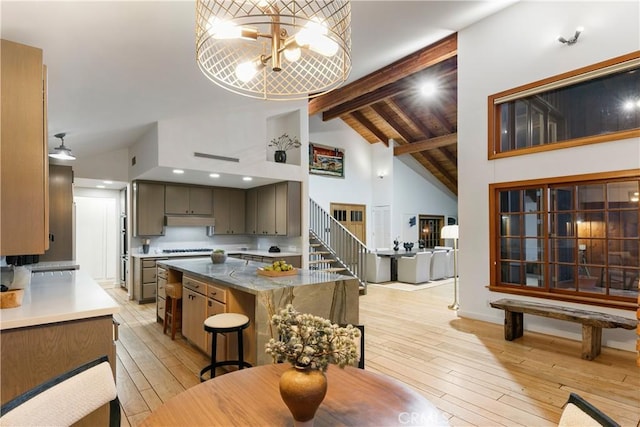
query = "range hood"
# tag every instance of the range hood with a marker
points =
(189, 221)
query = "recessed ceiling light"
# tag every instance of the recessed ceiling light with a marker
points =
(100, 186)
(214, 175)
(108, 182)
(178, 171)
(247, 178)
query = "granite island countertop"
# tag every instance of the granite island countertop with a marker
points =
(59, 296)
(242, 275)
(156, 253)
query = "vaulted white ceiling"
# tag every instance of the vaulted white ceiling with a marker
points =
(115, 67)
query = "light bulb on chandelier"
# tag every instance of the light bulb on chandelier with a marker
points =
(313, 37)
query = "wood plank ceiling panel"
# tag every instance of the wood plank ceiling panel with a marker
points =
(386, 105)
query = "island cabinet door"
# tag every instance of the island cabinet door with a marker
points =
(194, 312)
(216, 307)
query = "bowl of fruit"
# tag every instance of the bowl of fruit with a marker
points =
(278, 268)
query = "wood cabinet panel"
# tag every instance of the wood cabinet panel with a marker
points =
(183, 199)
(251, 206)
(60, 214)
(265, 210)
(277, 209)
(194, 313)
(229, 210)
(24, 163)
(33, 355)
(148, 208)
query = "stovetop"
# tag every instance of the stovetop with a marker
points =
(173, 251)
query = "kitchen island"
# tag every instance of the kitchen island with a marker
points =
(236, 287)
(65, 320)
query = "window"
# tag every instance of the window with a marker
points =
(572, 239)
(593, 104)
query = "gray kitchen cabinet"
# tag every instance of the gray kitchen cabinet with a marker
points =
(229, 210)
(145, 279)
(60, 214)
(184, 199)
(148, 206)
(287, 208)
(266, 210)
(278, 210)
(251, 215)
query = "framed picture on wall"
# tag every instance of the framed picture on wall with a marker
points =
(326, 161)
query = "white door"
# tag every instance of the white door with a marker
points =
(96, 238)
(381, 227)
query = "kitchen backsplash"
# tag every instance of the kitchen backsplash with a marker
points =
(196, 238)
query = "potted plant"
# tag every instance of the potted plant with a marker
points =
(310, 343)
(283, 143)
(218, 256)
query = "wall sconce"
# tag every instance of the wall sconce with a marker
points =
(634, 196)
(573, 39)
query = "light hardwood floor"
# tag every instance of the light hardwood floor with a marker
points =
(463, 366)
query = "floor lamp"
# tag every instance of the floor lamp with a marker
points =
(451, 232)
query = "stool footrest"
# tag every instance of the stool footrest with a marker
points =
(218, 364)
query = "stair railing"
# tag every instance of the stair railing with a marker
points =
(348, 251)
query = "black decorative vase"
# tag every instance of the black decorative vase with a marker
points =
(280, 156)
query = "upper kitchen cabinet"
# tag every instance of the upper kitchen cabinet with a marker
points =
(251, 214)
(60, 214)
(277, 209)
(229, 210)
(182, 199)
(288, 216)
(148, 207)
(24, 166)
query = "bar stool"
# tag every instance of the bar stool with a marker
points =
(173, 310)
(220, 324)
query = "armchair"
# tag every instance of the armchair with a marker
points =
(378, 268)
(414, 269)
(438, 265)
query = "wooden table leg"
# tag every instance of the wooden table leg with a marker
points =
(591, 341)
(513, 325)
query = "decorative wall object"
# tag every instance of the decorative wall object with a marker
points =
(327, 161)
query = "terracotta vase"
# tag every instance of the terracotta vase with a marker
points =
(303, 390)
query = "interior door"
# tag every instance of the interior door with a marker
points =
(352, 217)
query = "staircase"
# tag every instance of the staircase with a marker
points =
(333, 248)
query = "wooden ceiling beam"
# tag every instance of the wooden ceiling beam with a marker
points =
(357, 115)
(411, 64)
(426, 144)
(391, 121)
(413, 118)
(449, 155)
(443, 70)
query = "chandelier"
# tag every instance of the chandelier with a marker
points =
(275, 50)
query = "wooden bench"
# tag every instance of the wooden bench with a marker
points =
(592, 321)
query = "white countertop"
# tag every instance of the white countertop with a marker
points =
(59, 296)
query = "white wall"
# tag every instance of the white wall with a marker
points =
(509, 49)
(107, 166)
(406, 191)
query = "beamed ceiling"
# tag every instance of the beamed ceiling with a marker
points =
(387, 105)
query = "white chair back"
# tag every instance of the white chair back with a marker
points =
(64, 400)
(414, 269)
(378, 268)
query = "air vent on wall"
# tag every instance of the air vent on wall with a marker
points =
(215, 157)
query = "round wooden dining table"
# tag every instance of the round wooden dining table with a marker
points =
(250, 397)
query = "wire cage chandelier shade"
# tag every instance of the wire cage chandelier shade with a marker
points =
(271, 49)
